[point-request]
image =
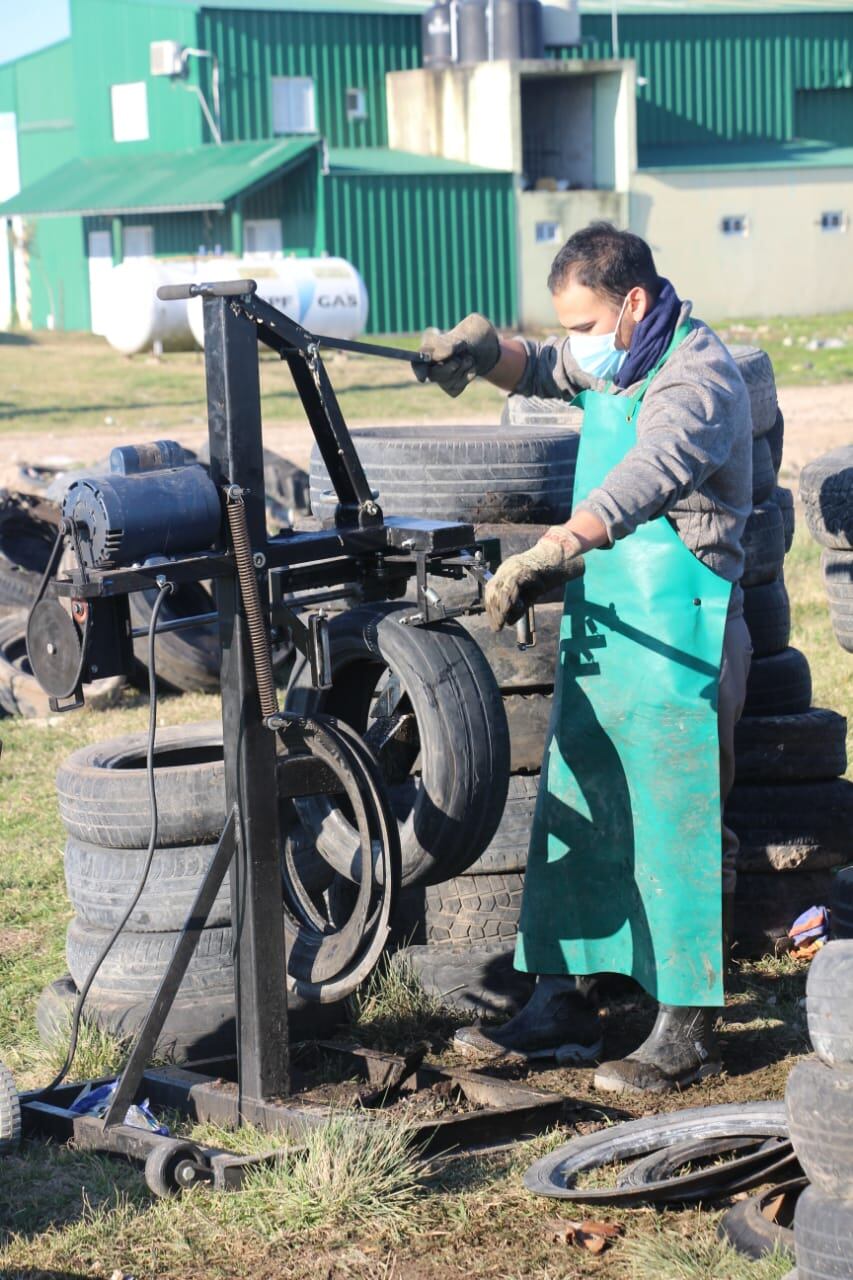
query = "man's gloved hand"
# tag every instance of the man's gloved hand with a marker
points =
(521, 579)
(470, 350)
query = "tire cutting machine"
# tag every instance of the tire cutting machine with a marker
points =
(157, 521)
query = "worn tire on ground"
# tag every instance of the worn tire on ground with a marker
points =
(841, 904)
(811, 746)
(507, 852)
(10, 1112)
(471, 474)
(20, 692)
(763, 473)
(826, 490)
(101, 883)
(819, 1104)
(187, 661)
(823, 1237)
(829, 1003)
(517, 669)
(767, 613)
(792, 826)
(837, 569)
(776, 440)
(766, 906)
(764, 1222)
(780, 684)
(756, 369)
(466, 910)
(28, 529)
(763, 545)
(477, 980)
(784, 499)
(455, 803)
(103, 790)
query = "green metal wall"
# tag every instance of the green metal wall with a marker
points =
(340, 50)
(826, 114)
(727, 78)
(111, 46)
(431, 248)
(59, 278)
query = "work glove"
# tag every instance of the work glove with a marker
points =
(470, 350)
(520, 580)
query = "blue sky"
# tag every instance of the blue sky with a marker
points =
(27, 26)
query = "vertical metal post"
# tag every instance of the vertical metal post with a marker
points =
(614, 28)
(236, 457)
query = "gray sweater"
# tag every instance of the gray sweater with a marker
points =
(692, 460)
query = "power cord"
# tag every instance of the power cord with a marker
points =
(166, 588)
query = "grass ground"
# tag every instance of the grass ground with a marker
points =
(93, 387)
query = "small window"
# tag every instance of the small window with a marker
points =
(736, 224)
(834, 220)
(137, 242)
(356, 104)
(262, 235)
(547, 232)
(293, 105)
(130, 111)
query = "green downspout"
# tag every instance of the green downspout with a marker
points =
(237, 228)
(118, 244)
(320, 214)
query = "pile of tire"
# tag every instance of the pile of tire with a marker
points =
(790, 805)
(819, 1106)
(826, 491)
(511, 483)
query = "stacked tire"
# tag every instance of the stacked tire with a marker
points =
(819, 1104)
(790, 805)
(826, 490)
(104, 806)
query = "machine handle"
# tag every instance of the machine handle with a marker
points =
(213, 289)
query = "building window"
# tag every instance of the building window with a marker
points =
(262, 236)
(735, 224)
(547, 232)
(356, 104)
(834, 220)
(137, 242)
(130, 111)
(293, 105)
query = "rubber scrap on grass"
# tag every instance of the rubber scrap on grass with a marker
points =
(589, 1235)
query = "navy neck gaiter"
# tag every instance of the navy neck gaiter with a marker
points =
(651, 337)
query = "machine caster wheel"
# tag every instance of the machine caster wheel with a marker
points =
(10, 1112)
(174, 1167)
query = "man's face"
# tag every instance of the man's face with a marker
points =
(581, 310)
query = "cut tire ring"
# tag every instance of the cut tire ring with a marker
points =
(751, 1231)
(555, 1174)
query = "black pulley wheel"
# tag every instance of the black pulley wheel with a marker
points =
(429, 709)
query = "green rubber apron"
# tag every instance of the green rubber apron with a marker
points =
(624, 869)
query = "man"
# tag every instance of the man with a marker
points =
(624, 870)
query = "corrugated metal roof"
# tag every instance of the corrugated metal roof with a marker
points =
(304, 6)
(688, 7)
(783, 155)
(200, 178)
(383, 160)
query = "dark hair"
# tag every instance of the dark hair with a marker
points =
(606, 260)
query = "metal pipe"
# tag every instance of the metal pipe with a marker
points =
(179, 624)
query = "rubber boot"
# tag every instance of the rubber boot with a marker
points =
(560, 1020)
(681, 1049)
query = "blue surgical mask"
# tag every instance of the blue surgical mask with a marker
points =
(596, 353)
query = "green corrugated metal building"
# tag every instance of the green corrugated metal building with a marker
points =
(718, 84)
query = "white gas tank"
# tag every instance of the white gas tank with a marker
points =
(135, 318)
(324, 295)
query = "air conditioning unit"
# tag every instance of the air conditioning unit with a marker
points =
(167, 58)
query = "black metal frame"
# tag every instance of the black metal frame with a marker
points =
(365, 550)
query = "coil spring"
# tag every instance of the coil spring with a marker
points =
(236, 512)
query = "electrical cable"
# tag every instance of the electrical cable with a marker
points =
(166, 589)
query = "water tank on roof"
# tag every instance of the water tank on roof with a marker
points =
(437, 36)
(473, 39)
(518, 29)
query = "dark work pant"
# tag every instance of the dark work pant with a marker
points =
(737, 652)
